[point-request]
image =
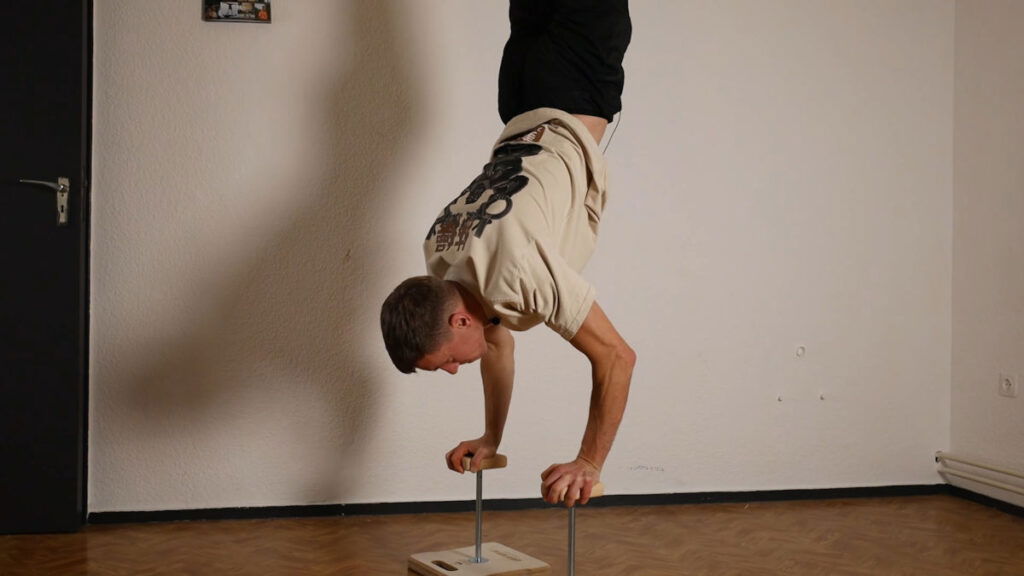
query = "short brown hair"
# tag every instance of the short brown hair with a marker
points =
(413, 320)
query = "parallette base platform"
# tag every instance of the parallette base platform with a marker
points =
(501, 561)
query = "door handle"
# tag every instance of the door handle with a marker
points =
(62, 187)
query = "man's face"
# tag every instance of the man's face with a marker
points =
(464, 347)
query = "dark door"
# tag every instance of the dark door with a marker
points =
(45, 66)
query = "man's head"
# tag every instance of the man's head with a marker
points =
(428, 324)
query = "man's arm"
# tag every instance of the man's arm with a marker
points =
(497, 371)
(612, 362)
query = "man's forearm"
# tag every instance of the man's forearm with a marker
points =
(497, 371)
(611, 379)
(612, 362)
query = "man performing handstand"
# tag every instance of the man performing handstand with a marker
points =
(506, 253)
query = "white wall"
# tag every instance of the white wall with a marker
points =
(781, 178)
(988, 254)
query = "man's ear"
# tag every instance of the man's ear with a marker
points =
(460, 319)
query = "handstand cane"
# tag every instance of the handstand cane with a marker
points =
(596, 491)
(497, 461)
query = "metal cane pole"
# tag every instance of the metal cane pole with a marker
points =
(478, 558)
(572, 541)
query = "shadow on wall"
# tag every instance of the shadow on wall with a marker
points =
(277, 382)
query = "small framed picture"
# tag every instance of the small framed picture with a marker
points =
(236, 11)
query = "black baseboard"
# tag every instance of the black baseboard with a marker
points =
(262, 512)
(520, 504)
(986, 500)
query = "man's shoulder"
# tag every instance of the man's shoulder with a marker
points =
(498, 335)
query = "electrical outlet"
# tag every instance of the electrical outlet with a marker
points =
(1008, 385)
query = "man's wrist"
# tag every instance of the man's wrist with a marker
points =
(491, 439)
(589, 461)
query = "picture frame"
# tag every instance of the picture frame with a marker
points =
(218, 11)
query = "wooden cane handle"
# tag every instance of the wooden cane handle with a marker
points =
(496, 461)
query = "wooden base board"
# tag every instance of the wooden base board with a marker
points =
(501, 561)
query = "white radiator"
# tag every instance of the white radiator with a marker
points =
(991, 475)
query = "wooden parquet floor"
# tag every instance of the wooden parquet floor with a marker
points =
(922, 535)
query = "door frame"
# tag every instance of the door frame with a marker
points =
(85, 197)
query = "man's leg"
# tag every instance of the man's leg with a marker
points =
(564, 54)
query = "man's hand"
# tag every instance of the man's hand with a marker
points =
(480, 448)
(571, 482)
